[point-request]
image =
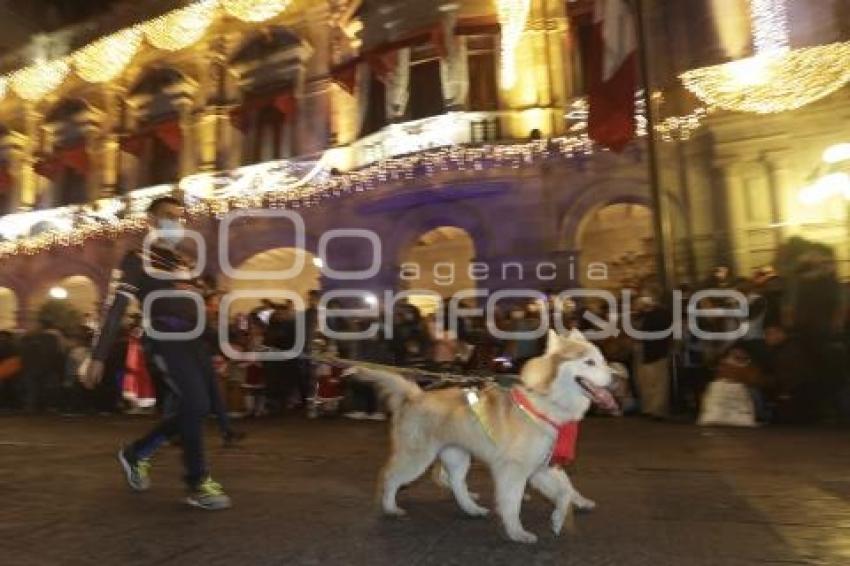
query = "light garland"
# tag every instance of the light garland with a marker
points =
(771, 83)
(254, 10)
(36, 81)
(88, 224)
(181, 28)
(513, 15)
(681, 128)
(776, 78)
(107, 57)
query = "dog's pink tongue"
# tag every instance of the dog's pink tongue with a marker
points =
(604, 398)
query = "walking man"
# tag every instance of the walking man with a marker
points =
(185, 364)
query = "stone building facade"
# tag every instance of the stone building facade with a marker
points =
(362, 82)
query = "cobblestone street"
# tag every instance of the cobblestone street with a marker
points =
(304, 494)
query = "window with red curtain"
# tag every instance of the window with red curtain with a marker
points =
(71, 187)
(267, 136)
(483, 74)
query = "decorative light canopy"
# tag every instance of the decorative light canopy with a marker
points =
(107, 57)
(181, 28)
(776, 78)
(513, 15)
(36, 81)
(254, 10)
(770, 83)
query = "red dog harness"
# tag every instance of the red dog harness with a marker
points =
(564, 450)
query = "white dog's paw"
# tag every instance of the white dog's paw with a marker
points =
(582, 503)
(394, 512)
(477, 511)
(558, 518)
(523, 536)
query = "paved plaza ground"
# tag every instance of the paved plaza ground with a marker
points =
(304, 494)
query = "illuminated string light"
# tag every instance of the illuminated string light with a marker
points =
(513, 16)
(254, 10)
(37, 81)
(770, 26)
(107, 57)
(318, 187)
(181, 28)
(772, 83)
(776, 78)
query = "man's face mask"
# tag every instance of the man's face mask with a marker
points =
(174, 231)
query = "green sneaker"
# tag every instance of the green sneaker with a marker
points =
(208, 495)
(138, 472)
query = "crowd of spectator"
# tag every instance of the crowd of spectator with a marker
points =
(792, 357)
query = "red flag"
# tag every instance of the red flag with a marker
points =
(284, 103)
(133, 144)
(346, 75)
(76, 158)
(170, 134)
(612, 75)
(6, 180)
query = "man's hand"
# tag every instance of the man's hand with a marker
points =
(93, 375)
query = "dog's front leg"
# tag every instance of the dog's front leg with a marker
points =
(510, 486)
(555, 486)
(581, 502)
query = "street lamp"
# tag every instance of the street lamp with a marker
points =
(59, 293)
(831, 179)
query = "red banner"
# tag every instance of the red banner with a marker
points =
(6, 179)
(346, 75)
(49, 167)
(170, 134)
(133, 144)
(76, 158)
(283, 102)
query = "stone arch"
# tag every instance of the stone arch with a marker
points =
(263, 43)
(438, 263)
(81, 292)
(594, 196)
(410, 226)
(248, 238)
(158, 78)
(70, 267)
(273, 259)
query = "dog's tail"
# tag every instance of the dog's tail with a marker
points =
(394, 389)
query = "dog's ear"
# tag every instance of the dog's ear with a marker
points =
(553, 342)
(539, 373)
(575, 334)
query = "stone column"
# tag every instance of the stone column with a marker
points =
(779, 175)
(733, 206)
(110, 154)
(28, 180)
(14, 147)
(184, 107)
(92, 138)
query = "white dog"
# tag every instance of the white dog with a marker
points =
(514, 431)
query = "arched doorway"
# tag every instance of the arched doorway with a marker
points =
(77, 292)
(615, 243)
(438, 262)
(8, 309)
(278, 259)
